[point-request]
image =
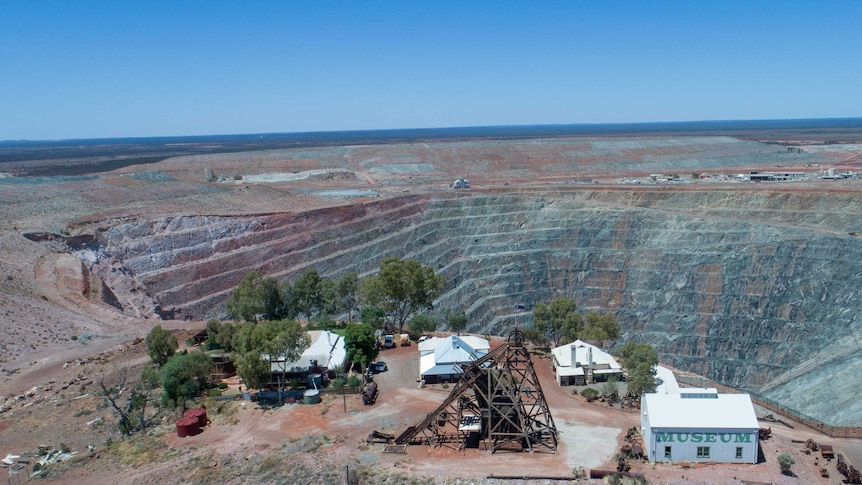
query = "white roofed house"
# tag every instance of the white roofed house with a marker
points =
(326, 354)
(579, 363)
(441, 359)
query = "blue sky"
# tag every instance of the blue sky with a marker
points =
(83, 69)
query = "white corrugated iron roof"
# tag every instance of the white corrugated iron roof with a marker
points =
(570, 365)
(438, 356)
(326, 348)
(725, 411)
(665, 381)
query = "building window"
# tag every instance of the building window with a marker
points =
(667, 452)
(703, 451)
(739, 452)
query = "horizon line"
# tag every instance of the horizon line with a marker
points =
(642, 124)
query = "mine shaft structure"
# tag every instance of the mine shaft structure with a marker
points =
(497, 401)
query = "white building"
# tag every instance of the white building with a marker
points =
(442, 358)
(699, 425)
(580, 363)
(326, 351)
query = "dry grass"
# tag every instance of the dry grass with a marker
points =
(138, 451)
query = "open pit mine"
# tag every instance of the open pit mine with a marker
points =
(755, 286)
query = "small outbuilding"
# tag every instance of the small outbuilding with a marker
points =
(442, 358)
(579, 363)
(699, 425)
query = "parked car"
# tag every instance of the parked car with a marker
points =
(388, 341)
(423, 338)
(379, 367)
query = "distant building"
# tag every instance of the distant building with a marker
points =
(579, 363)
(441, 359)
(699, 425)
(777, 176)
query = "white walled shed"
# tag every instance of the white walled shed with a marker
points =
(699, 425)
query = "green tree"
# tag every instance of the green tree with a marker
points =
(184, 376)
(329, 298)
(455, 321)
(308, 297)
(275, 343)
(360, 343)
(558, 321)
(401, 289)
(271, 303)
(252, 368)
(421, 323)
(599, 327)
(246, 301)
(539, 339)
(346, 293)
(373, 316)
(220, 335)
(161, 345)
(639, 360)
(288, 302)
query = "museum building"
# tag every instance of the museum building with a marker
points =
(699, 425)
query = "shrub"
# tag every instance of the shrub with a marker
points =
(785, 461)
(214, 393)
(296, 383)
(354, 381)
(337, 382)
(590, 394)
(222, 385)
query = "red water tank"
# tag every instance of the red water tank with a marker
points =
(198, 413)
(187, 426)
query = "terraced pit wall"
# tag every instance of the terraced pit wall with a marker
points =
(754, 289)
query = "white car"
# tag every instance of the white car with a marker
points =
(423, 338)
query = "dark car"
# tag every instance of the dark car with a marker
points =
(520, 307)
(379, 367)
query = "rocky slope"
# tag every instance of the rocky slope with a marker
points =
(737, 285)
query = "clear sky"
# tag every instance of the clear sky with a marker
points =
(84, 69)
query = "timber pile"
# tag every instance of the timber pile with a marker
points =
(379, 437)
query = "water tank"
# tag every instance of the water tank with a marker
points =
(200, 414)
(311, 396)
(187, 426)
(315, 381)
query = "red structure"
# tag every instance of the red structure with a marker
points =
(188, 426)
(200, 414)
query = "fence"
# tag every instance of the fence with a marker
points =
(811, 422)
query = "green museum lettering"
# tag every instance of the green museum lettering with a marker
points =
(703, 437)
